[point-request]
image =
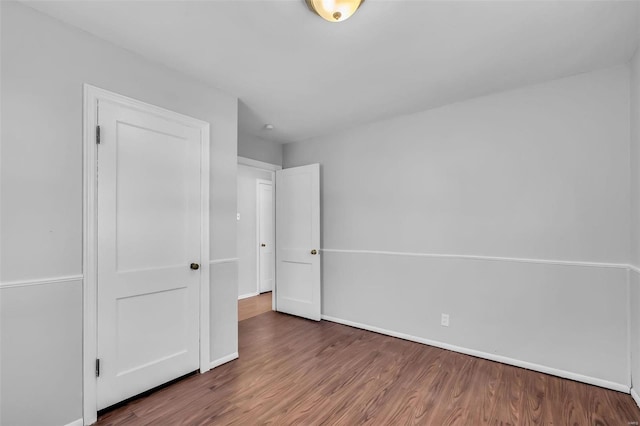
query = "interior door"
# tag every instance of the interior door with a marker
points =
(149, 220)
(266, 233)
(298, 241)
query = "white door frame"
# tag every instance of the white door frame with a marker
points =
(92, 95)
(269, 168)
(271, 183)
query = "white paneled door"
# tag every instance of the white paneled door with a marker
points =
(149, 247)
(298, 241)
(266, 236)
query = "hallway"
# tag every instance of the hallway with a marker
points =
(252, 306)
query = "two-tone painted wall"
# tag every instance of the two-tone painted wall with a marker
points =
(44, 66)
(508, 212)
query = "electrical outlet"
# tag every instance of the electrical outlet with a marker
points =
(444, 320)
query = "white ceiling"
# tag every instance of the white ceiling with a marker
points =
(310, 77)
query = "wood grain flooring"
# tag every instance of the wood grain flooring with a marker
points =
(295, 371)
(252, 306)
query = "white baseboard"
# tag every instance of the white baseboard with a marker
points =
(218, 362)
(493, 357)
(244, 296)
(78, 422)
(635, 396)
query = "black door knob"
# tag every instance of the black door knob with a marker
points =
(195, 266)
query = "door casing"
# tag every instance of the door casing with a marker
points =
(261, 165)
(92, 95)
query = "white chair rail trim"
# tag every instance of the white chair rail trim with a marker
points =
(488, 258)
(41, 281)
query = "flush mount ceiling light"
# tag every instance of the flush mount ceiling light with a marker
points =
(334, 10)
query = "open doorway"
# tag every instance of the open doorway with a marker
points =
(256, 237)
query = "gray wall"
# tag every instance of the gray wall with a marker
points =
(247, 228)
(541, 172)
(634, 274)
(260, 149)
(41, 329)
(44, 64)
(634, 301)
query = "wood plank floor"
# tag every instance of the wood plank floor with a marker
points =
(294, 371)
(252, 306)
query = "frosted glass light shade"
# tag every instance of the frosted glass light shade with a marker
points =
(334, 10)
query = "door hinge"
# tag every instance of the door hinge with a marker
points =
(97, 367)
(97, 134)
